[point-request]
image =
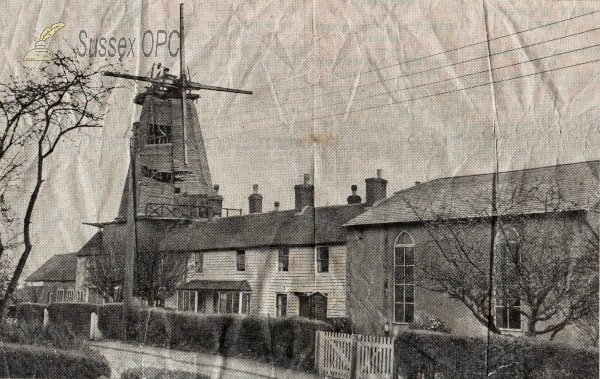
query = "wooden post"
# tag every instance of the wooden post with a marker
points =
(353, 357)
(183, 83)
(131, 251)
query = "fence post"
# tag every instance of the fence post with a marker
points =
(317, 337)
(95, 333)
(46, 319)
(353, 357)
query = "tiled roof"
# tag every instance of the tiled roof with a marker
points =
(539, 190)
(59, 268)
(92, 247)
(322, 225)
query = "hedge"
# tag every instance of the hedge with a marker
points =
(26, 361)
(286, 342)
(76, 314)
(31, 313)
(156, 373)
(420, 354)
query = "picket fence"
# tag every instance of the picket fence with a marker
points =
(354, 356)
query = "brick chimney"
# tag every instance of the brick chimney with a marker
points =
(215, 202)
(305, 194)
(354, 198)
(375, 189)
(255, 200)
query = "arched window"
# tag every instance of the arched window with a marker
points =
(404, 278)
(506, 259)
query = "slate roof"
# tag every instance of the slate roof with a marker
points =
(539, 190)
(92, 247)
(59, 268)
(321, 225)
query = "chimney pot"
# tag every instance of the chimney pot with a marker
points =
(276, 205)
(215, 202)
(354, 198)
(376, 189)
(255, 200)
(417, 183)
(305, 194)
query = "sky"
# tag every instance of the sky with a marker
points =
(341, 89)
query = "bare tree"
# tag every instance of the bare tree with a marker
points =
(157, 275)
(504, 261)
(105, 274)
(38, 110)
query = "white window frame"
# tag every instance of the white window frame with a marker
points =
(241, 296)
(70, 295)
(240, 260)
(512, 237)
(281, 309)
(80, 296)
(60, 295)
(406, 268)
(283, 256)
(319, 260)
(187, 298)
(198, 262)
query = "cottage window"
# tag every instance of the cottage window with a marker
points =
(404, 278)
(81, 296)
(60, 295)
(240, 260)
(281, 301)
(70, 295)
(231, 302)
(284, 258)
(199, 259)
(188, 301)
(323, 259)
(159, 134)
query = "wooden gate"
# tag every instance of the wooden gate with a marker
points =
(354, 356)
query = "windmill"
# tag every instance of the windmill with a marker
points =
(169, 177)
(170, 158)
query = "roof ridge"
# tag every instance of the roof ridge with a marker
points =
(499, 172)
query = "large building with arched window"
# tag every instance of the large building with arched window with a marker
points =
(511, 252)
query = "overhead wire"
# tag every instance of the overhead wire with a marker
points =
(434, 94)
(284, 91)
(416, 73)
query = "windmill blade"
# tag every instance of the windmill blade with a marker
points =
(163, 81)
(198, 86)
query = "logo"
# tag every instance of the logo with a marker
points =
(41, 51)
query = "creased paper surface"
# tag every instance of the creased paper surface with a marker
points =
(419, 89)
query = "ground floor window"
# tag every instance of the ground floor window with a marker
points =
(509, 317)
(80, 296)
(60, 295)
(188, 302)
(281, 301)
(313, 307)
(231, 302)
